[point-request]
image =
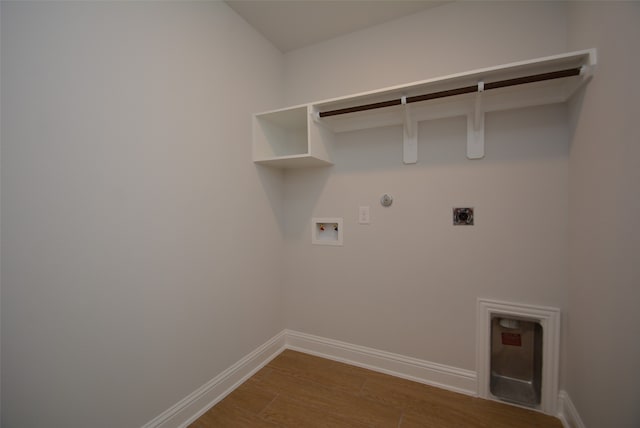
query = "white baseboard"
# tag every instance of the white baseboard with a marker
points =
(454, 379)
(199, 401)
(567, 412)
(439, 375)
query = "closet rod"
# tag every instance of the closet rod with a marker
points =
(458, 91)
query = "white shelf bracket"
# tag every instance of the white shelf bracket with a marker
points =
(410, 135)
(475, 127)
(586, 72)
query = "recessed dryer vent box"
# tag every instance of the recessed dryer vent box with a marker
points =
(326, 231)
(516, 360)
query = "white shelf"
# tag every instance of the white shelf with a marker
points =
(281, 133)
(287, 138)
(298, 137)
(294, 161)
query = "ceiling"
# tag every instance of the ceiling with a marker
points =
(292, 24)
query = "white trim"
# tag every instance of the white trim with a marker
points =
(190, 408)
(549, 319)
(202, 399)
(439, 375)
(187, 410)
(567, 412)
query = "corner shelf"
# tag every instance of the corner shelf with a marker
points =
(302, 136)
(287, 139)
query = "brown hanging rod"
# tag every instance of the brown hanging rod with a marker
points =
(458, 91)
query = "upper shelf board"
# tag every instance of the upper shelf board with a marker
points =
(294, 161)
(586, 58)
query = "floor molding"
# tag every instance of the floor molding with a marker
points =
(567, 412)
(439, 375)
(199, 401)
(194, 405)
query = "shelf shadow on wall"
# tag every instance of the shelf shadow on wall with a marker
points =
(524, 134)
(574, 111)
(304, 197)
(278, 183)
(272, 180)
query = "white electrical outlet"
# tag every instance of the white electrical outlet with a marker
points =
(363, 215)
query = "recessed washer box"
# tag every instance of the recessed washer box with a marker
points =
(326, 230)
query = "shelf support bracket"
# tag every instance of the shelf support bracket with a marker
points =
(475, 127)
(410, 135)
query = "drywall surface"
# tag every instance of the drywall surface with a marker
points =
(454, 37)
(603, 322)
(141, 248)
(408, 282)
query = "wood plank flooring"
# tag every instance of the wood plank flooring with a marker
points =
(300, 390)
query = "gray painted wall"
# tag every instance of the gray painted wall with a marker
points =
(141, 248)
(603, 321)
